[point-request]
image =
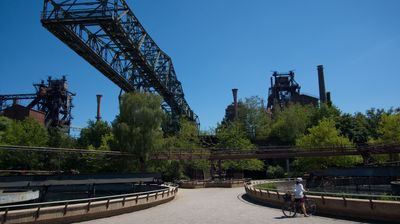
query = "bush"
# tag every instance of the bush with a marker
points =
(275, 172)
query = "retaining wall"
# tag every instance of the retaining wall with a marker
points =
(87, 211)
(377, 210)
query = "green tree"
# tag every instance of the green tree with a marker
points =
(325, 111)
(137, 129)
(24, 133)
(290, 123)
(325, 134)
(389, 133)
(232, 136)
(354, 127)
(256, 120)
(5, 123)
(27, 132)
(59, 139)
(93, 134)
(389, 129)
(186, 140)
(373, 119)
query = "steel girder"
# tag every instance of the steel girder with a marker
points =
(107, 34)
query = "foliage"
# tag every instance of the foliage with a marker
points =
(267, 186)
(389, 133)
(27, 132)
(389, 129)
(92, 135)
(325, 111)
(275, 172)
(186, 139)
(324, 134)
(137, 129)
(354, 127)
(290, 123)
(232, 136)
(24, 133)
(5, 123)
(255, 120)
(59, 139)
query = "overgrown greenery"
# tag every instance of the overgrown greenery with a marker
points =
(325, 134)
(231, 136)
(137, 130)
(267, 186)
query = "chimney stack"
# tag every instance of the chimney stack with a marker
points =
(98, 117)
(235, 103)
(321, 82)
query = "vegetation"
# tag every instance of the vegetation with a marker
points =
(267, 186)
(231, 136)
(325, 134)
(137, 130)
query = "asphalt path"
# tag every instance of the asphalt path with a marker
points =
(212, 205)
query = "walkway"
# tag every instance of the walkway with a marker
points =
(211, 205)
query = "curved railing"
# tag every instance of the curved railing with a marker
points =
(333, 204)
(85, 209)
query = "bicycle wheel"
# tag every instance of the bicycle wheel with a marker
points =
(311, 207)
(289, 209)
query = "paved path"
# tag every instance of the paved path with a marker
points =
(211, 205)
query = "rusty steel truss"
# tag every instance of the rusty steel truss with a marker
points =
(108, 35)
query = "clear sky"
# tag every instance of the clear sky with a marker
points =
(217, 45)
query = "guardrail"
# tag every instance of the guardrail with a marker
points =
(85, 209)
(231, 183)
(333, 204)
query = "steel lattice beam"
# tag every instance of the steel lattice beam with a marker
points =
(107, 34)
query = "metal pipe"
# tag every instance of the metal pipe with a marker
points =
(321, 82)
(98, 117)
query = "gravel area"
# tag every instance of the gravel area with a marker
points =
(212, 205)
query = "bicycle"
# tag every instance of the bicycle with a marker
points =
(290, 208)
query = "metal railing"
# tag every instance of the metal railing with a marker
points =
(327, 194)
(167, 189)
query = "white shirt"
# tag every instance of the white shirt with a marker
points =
(298, 191)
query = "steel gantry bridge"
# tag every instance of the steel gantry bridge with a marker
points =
(108, 35)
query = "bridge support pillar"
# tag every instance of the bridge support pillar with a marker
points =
(212, 169)
(287, 166)
(219, 169)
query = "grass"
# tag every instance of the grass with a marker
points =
(266, 186)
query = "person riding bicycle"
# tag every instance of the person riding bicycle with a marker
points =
(299, 195)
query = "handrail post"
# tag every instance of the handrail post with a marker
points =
(65, 209)
(37, 214)
(88, 205)
(5, 216)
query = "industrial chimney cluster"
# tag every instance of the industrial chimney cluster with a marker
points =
(284, 90)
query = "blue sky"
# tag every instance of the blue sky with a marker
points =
(225, 44)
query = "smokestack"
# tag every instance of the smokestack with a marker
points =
(235, 103)
(328, 98)
(98, 117)
(321, 82)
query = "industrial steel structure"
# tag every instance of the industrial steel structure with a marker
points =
(284, 89)
(52, 99)
(108, 35)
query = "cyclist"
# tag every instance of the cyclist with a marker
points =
(299, 195)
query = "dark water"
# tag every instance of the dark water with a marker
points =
(59, 193)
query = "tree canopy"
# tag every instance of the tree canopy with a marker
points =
(137, 129)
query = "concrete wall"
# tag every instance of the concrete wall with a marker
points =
(86, 211)
(376, 210)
